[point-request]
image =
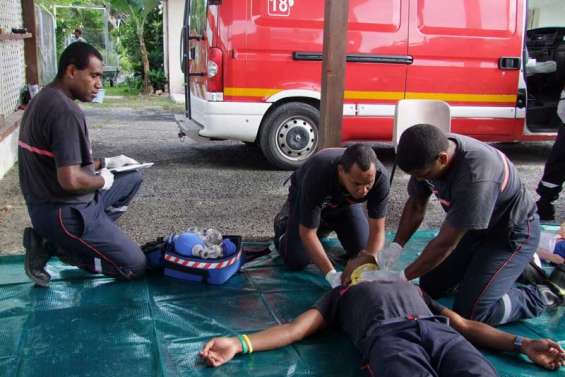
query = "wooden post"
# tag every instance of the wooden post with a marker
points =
(30, 49)
(333, 71)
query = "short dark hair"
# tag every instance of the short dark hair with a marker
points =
(360, 154)
(78, 54)
(78, 31)
(419, 146)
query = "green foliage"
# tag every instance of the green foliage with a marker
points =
(198, 17)
(135, 16)
(158, 79)
(90, 21)
(128, 47)
(134, 84)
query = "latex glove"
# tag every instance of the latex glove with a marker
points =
(333, 278)
(387, 257)
(119, 161)
(383, 276)
(108, 178)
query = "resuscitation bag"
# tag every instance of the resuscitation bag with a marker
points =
(180, 264)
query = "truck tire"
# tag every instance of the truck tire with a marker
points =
(289, 135)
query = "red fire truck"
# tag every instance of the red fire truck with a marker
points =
(253, 70)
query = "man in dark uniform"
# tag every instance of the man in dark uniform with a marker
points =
(399, 331)
(328, 191)
(73, 208)
(489, 235)
(551, 183)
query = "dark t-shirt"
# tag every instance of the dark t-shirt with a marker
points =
(362, 308)
(316, 186)
(481, 190)
(53, 134)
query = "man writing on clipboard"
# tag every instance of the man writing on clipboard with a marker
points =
(73, 199)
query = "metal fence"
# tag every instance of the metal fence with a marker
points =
(12, 61)
(46, 45)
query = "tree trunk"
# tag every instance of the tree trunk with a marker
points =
(147, 87)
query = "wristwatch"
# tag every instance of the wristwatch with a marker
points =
(518, 344)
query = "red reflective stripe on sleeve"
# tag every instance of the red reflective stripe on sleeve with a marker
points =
(39, 151)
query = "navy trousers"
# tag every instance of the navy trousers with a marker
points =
(85, 234)
(424, 348)
(350, 224)
(483, 270)
(554, 171)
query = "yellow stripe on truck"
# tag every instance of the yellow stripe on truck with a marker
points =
(354, 94)
(454, 97)
(250, 92)
(373, 95)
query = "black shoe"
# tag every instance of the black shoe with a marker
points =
(550, 287)
(533, 274)
(546, 210)
(36, 258)
(551, 299)
(557, 277)
(280, 223)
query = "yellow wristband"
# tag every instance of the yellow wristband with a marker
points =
(249, 345)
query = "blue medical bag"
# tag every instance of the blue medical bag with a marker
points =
(212, 271)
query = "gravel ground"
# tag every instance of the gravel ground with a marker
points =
(226, 185)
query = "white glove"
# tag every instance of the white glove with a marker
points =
(383, 276)
(387, 257)
(108, 178)
(334, 278)
(119, 161)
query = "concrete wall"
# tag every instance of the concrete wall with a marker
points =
(547, 13)
(9, 132)
(172, 25)
(9, 152)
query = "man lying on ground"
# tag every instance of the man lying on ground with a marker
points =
(399, 330)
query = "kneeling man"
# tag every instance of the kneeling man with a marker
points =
(73, 208)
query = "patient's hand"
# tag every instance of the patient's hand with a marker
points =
(545, 353)
(219, 351)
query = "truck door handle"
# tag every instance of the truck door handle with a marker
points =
(509, 63)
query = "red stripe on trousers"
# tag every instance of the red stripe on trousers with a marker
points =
(474, 307)
(102, 256)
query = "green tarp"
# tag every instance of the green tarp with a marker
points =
(85, 325)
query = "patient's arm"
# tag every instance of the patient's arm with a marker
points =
(544, 352)
(219, 351)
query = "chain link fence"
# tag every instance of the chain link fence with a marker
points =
(46, 45)
(12, 60)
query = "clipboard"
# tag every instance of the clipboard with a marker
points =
(125, 168)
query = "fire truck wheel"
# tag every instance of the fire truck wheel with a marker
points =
(290, 135)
